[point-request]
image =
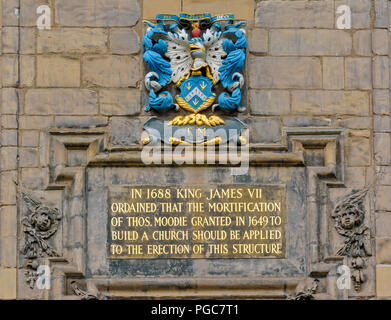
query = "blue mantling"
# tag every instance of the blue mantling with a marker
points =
(231, 103)
(161, 72)
(161, 102)
(232, 68)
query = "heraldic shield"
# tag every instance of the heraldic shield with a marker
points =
(196, 94)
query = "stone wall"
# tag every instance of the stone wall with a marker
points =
(85, 75)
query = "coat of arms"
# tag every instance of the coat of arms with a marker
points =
(196, 55)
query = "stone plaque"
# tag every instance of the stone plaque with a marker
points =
(220, 221)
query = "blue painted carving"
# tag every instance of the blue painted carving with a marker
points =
(232, 68)
(217, 50)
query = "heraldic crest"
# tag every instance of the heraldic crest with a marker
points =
(194, 54)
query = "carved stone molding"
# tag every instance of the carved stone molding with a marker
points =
(84, 295)
(194, 288)
(320, 150)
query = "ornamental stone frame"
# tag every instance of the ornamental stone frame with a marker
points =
(321, 263)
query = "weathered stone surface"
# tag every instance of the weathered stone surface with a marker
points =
(8, 221)
(44, 152)
(35, 122)
(269, 102)
(383, 281)
(370, 176)
(124, 132)
(362, 42)
(111, 71)
(303, 121)
(381, 101)
(8, 187)
(333, 73)
(9, 138)
(382, 154)
(58, 71)
(124, 41)
(28, 157)
(361, 12)
(27, 71)
(243, 9)
(382, 124)
(8, 252)
(310, 43)
(27, 40)
(358, 148)
(304, 76)
(120, 102)
(9, 70)
(61, 101)
(1, 13)
(8, 281)
(74, 40)
(97, 199)
(381, 17)
(9, 159)
(355, 122)
(258, 41)
(102, 13)
(383, 175)
(9, 16)
(10, 36)
(151, 8)
(380, 41)
(295, 14)
(355, 177)
(77, 158)
(28, 12)
(358, 73)
(9, 103)
(381, 72)
(289, 72)
(9, 122)
(330, 102)
(30, 138)
(383, 227)
(35, 178)
(264, 130)
(383, 199)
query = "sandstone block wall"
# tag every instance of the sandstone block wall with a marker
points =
(86, 72)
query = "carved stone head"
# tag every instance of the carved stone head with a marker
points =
(350, 212)
(44, 219)
(351, 216)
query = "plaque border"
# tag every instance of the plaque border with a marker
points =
(290, 152)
